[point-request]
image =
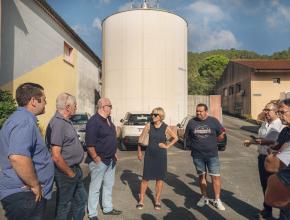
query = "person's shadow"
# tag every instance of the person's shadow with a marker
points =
(191, 197)
(177, 212)
(239, 206)
(148, 217)
(133, 180)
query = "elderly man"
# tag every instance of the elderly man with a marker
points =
(101, 145)
(26, 175)
(202, 133)
(267, 135)
(281, 159)
(67, 153)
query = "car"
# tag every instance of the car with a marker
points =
(131, 127)
(181, 130)
(79, 121)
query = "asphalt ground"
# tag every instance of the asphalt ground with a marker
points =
(241, 192)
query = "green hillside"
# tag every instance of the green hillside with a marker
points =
(205, 68)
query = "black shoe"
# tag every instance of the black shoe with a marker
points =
(113, 212)
(264, 214)
(94, 218)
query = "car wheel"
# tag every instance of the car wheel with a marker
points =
(122, 146)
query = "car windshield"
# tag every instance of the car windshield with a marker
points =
(78, 119)
(138, 119)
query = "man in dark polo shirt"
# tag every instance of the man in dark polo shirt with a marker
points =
(101, 145)
(26, 168)
(202, 133)
(67, 153)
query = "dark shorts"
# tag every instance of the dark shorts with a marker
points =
(209, 165)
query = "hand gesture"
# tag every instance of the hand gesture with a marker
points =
(247, 143)
(140, 156)
(162, 145)
(37, 191)
(97, 159)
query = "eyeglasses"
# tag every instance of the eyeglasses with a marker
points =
(267, 110)
(155, 114)
(281, 112)
(110, 106)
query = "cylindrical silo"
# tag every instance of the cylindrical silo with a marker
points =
(145, 62)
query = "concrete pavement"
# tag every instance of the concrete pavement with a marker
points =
(241, 191)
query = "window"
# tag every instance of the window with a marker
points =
(225, 92)
(68, 53)
(238, 87)
(276, 80)
(231, 90)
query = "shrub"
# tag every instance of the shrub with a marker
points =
(7, 106)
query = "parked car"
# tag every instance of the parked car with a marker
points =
(181, 130)
(79, 121)
(131, 128)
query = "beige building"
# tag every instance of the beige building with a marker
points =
(247, 85)
(38, 46)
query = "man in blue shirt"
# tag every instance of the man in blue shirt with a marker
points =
(101, 145)
(26, 175)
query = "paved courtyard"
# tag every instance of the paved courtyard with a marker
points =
(241, 192)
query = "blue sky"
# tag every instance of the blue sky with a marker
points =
(262, 26)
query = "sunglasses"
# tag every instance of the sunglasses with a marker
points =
(155, 114)
(267, 110)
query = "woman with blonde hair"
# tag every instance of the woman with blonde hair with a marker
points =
(155, 159)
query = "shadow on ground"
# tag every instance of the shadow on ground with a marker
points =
(242, 208)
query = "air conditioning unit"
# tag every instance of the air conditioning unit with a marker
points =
(242, 92)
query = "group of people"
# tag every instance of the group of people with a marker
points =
(29, 165)
(274, 158)
(202, 133)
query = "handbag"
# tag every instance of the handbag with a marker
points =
(144, 138)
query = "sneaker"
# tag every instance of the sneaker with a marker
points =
(219, 205)
(203, 201)
(140, 205)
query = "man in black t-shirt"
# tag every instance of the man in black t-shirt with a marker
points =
(202, 133)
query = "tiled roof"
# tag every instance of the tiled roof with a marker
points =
(265, 64)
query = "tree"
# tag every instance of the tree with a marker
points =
(7, 106)
(209, 71)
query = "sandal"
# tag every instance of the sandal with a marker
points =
(157, 206)
(140, 206)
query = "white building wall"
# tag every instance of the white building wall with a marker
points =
(145, 62)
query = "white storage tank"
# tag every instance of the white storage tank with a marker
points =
(145, 62)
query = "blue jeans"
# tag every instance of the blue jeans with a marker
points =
(71, 193)
(101, 173)
(210, 165)
(22, 206)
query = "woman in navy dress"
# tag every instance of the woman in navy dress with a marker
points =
(155, 160)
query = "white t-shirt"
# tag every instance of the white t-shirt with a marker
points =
(269, 131)
(284, 156)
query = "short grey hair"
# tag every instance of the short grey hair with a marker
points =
(63, 100)
(273, 105)
(101, 102)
